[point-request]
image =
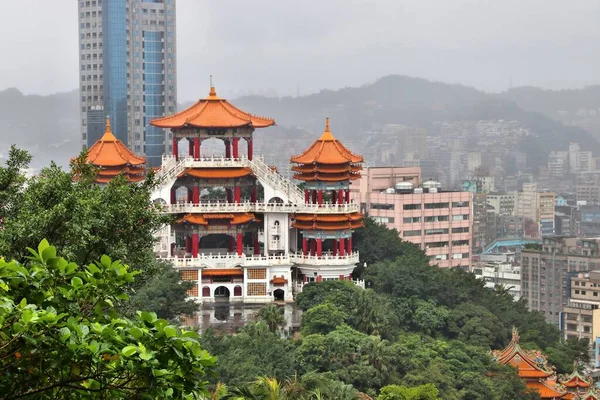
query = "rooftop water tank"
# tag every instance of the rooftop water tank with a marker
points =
(404, 187)
(390, 190)
(418, 191)
(431, 184)
(433, 190)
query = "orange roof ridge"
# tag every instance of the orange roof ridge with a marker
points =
(111, 152)
(108, 135)
(327, 150)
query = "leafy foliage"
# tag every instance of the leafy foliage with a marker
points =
(60, 336)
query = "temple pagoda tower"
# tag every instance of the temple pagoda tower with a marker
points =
(113, 158)
(533, 368)
(578, 386)
(244, 246)
(327, 169)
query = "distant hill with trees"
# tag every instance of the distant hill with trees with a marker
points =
(48, 126)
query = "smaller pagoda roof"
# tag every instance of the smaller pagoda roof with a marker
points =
(547, 389)
(332, 222)
(530, 364)
(327, 150)
(212, 112)
(575, 379)
(111, 152)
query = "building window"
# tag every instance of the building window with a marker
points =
(384, 220)
(460, 204)
(460, 217)
(411, 220)
(440, 231)
(464, 229)
(460, 243)
(412, 233)
(432, 206)
(437, 218)
(412, 206)
(257, 289)
(189, 275)
(382, 206)
(257, 273)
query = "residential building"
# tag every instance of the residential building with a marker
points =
(545, 272)
(588, 193)
(503, 275)
(558, 164)
(537, 208)
(582, 313)
(128, 71)
(580, 161)
(440, 222)
(502, 203)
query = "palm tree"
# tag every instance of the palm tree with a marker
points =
(272, 316)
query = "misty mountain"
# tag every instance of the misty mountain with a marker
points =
(48, 126)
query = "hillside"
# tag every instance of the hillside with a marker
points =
(48, 126)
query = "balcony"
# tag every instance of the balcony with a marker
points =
(325, 259)
(224, 207)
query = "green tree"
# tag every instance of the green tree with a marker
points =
(272, 316)
(322, 319)
(399, 392)
(61, 337)
(12, 179)
(316, 293)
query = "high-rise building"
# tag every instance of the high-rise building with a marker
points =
(127, 71)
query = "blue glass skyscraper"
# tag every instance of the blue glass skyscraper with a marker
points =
(128, 71)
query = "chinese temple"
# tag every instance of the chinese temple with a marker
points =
(532, 367)
(251, 244)
(113, 158)
(578, 386)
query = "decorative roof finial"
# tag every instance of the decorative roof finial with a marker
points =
(108, 124)
(213, 92)
(515, 334)
(326, 124)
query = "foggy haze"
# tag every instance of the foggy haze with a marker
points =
(314, 44)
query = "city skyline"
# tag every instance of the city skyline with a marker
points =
(327, 38)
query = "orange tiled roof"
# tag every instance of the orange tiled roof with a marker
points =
(222, 272)
(232, 219)
(212, 112)
(547, 389)
(590, 395)
(530, 365)
(328, 222)
(327, 169)
(327, 177)
(575, 379)
(327, 150)
(279, 280)
(216, 173)
(111, 152)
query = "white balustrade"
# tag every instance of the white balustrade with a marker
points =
(325, 259)
(207, 207)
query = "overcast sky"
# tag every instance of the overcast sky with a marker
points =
(314, 44)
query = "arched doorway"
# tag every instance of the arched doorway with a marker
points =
(205, 291)
(222, 292)
(279, 294)
(237, 291)
(276, 200)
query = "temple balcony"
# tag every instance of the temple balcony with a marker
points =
(325, 259)
(229, 260)
(224, 207)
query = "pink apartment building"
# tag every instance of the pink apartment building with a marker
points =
(439, 221)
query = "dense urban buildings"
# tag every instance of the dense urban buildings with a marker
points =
(439, 221)
(128, 71)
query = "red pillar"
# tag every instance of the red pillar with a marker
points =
(240, 244)
(175, 147)
(188, 244)
(313, 247)
(190, 147)
(253, 194)
(314, 197)
(342, 247)
(229, 195)
(256, 245)
(196, 195)
(227, 149)
(306, 196)
(236, 154)
(347, 196)
(231, 244)
(189, 195)
(319, 247)
(173, 195)
(350, 245)
(335, 247)
(319, 278)
(340, 196)
(195, 245)
(238, 194)
(249, 148)
(197, 147)
(320, 196)
(173, 249)
(304, 247)
(333, 197)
